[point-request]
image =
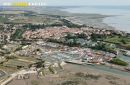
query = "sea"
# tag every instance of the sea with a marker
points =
(120, 20)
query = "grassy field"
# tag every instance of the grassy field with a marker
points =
(124, 41)
(29, 59)
(2, 20)
(33, 19)
(113, 39)
(16, 62)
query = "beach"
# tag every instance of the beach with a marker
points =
(94, 20)
(118, 16)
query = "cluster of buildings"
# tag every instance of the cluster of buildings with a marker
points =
(97, 57)
(89, 56)
(59, 32)
(55, 32)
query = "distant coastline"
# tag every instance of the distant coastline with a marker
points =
(94, 19)
(117, 17)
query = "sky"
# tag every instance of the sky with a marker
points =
(73, 2)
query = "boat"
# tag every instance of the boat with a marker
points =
(90, 64)
(127, 69)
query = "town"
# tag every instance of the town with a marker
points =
(41, 50)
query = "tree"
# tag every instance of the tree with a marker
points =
(39, 64)
(123, 41)
(51, 69)
(82, 35)
(18, 67)
(119, 62)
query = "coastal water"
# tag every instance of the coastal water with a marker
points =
(126, 58)
(106, 69)
(120, 20)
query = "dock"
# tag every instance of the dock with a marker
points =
(76, 62)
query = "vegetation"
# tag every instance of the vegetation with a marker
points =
(70, 24)
(33, 27)
(104, 48)
(87, 76)
(74, 43)
(113, 38)
(2, 20)
(53, 40)
(11, 57)
(1, 45)
(28, 13)
(82, 36)
(8, 51)
(110, 77)
(96, 37)
(61, 42)
(62, 23)
(42, 70)
(18, 67)
(34, 82)
(18, 48)
(70, 83)
(39, 64)
(16, 63)
(51, 69)
(17, 34)
(30, 65)
(1, 63)
(113, 83)
(69, 36)
(119, 62)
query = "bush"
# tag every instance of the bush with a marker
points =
(39, 64)
(119, 62)
(70, 83)
(11, 57)
(17, 34)
(51, 69)
(18, 67)
(87, 76)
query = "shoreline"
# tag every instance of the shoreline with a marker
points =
(86, 66)
(108, 67)
(93, 20)
(102, 21)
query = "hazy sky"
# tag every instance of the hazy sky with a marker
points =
(75, 2)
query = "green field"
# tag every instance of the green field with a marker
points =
(124, 41)
(15, 63)
(30, 59)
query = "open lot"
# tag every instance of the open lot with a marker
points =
(69, 77)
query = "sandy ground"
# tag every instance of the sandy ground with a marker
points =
(68, 74)
(121, 80)
(95, 20)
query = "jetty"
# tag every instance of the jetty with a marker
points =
(79, 62)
